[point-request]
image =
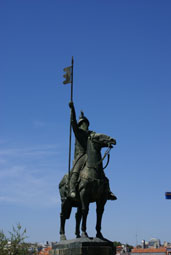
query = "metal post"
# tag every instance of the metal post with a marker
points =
(70, 132)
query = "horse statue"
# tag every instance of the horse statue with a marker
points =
(92, 187)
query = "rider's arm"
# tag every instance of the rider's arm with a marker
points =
(73, 119)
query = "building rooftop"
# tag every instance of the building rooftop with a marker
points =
(149, 250)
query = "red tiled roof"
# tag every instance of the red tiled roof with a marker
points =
(45, 251)
(149, 250)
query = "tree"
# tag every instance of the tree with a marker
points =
(116, 243)
(17, 237)
(15, 244)
(130, 247)
(3, 244)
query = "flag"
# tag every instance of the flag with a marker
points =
(67, 75)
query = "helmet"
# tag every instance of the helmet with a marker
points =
(82, 119)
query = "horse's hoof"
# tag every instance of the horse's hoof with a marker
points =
(62, 237)
(78, 236)
(99, 235)
(84, 235)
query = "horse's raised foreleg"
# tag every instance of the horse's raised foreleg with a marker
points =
(84, 209)
(78, 216)
(99, 211)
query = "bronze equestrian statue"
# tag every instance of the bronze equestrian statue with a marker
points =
(88, 182)
(81, 135)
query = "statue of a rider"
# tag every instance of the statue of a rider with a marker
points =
(82, 133)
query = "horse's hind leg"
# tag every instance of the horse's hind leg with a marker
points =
(62, 227)
(65, 214)
(99, 211)
(78, 216)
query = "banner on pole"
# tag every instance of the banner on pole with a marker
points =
(67, 75)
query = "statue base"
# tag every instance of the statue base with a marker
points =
(84, 246)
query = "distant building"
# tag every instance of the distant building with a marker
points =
(123, 250)
(154, 243)
(45, 251)
(167, 244)
(151, 251)
(153, 247)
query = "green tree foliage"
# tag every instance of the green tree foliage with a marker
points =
(130, 247)
(3, 243)
(115, 244)
(17, 237)
(15, 244)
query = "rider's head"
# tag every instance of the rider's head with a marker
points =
(83, 122)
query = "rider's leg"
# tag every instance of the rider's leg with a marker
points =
(73, 183)
(75, 175)
(111, 196)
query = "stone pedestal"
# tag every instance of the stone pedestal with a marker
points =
(84, 246)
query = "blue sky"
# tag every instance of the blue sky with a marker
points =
(122, 82)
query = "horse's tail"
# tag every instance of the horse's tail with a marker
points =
(64, 181)
(63, 187)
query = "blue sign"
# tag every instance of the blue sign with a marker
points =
(168, 195)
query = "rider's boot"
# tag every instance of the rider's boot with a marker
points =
(111, 196)
(73, 183)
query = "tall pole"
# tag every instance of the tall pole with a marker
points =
(70, 131)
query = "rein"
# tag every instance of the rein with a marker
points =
(107, 153)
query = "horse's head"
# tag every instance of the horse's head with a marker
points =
(102, 140)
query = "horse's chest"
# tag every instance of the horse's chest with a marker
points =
(89, 174)
(92, 178)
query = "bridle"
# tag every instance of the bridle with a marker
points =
(107, 153)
